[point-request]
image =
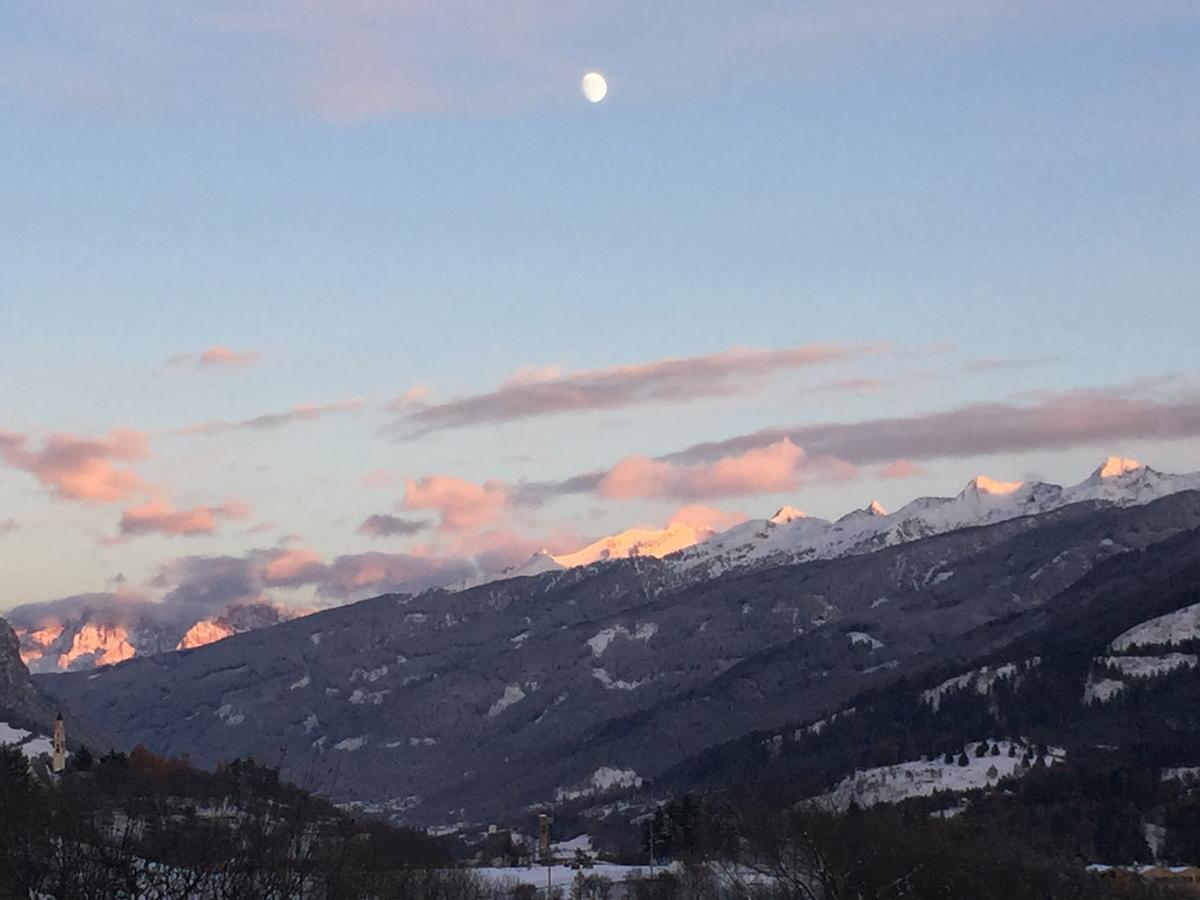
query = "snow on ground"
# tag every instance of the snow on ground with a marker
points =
(819, 726)
(616, 684)
(371, 675)
(861, 637)
(603, 779)
(226, 714)
(600, 641)
(512, 694)
(373, 697)
(38, 746)
(1148, 666)
(922, 778)
(302, 683)
(350, 744)
(1173, 628)
(1101, 690)
(1186, 774)
(32, 745)
(10, 735)
(559, 876)
(981, 680)
(565, 848)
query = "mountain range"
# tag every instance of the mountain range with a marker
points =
(88, 634)
(582, 686)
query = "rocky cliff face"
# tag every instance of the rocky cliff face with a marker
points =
(21, 704)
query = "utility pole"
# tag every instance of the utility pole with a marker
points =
(652, 818)
(544, 848)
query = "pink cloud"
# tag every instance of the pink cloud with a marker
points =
(461, 504)
(80, 468)
(223, 357)
(159, 517)
(379, 478)
(292, 568)
(757, 471)
(216, 357)
(901, 468)
(412, 397)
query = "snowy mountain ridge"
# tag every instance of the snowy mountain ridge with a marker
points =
(984, 501)
(791, 536)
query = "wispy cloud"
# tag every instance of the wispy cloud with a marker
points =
(537, 392)
(900, 468)
(214, 358)
(1055, 421)
(159, 517)
(303, 412)
(79, 468)
(1004, 363)
(1050, 421)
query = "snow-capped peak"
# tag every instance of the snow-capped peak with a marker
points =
(981, 484)
(984, 501)
(1117, 465)
(873, 510)
(655, 542)
(790, 536)
(786, 514)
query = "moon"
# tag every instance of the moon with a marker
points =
(595, 88)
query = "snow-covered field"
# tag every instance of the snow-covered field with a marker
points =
(923, 778)
(980, 680)
(558, 876)
(32, 745)
(1101, 686)
(1173, 628)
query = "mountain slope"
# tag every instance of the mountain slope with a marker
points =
(1129, 757)
(474, 705)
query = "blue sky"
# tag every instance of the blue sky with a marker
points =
(371, 197)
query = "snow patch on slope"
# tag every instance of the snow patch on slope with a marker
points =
(601, 640)
(922, 778)
(1174, 628)
(512, 694)
(980, 680)
(605, 778)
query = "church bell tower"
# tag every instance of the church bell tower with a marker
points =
(58, 759)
